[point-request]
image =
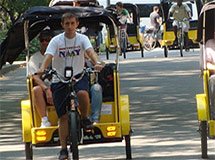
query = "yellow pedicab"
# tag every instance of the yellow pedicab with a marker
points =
(168, 34)
(114, 123)
(206, 28)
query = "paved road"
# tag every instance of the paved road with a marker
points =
(162, 107)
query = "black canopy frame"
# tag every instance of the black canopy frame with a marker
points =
(41, 16)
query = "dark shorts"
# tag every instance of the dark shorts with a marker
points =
(61, 93)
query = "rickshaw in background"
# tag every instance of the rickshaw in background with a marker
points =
(168, 35)
(134, 41)
(206, 28)
(114, 123)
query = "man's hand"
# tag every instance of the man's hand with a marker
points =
(49, 96)
(98, 67)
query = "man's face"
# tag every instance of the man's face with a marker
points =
(179, 2)
(118, 8)
(69, 25)
(44, 41)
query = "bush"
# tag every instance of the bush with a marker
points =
(33, 47)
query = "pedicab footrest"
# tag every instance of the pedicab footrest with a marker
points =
(42, 135)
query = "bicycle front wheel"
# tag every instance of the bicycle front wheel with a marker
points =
(74, 133)
(181, 42)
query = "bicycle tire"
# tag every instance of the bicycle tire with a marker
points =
(28, 151)
(204, 145)
(123, 43)
(128, 147)
(74, 134)
(148, 43)
(165, 51)
(181, 42)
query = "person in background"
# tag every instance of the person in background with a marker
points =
(123, 16)
(210, 62)
(180, 12)
(41, 90)
(155, 19)
(67, 51)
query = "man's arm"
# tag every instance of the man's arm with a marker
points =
(46, 62)
(171, 10)
(37, 77)
(92, 55)
(94, 59)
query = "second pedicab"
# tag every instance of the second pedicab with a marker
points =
(114, 123)
(168, 35)
(133, 40)
(206, 111)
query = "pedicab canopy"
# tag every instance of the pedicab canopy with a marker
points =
(40, 17)
(208, 10)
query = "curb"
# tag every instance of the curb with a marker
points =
(10, 67)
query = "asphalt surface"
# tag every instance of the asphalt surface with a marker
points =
(162, 109)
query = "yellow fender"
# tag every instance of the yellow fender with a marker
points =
(211, 124)
(201, 101)
(26, 120)
(124, 114)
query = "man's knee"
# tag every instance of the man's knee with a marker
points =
(83, 93)
(37, 90)
(64, 118)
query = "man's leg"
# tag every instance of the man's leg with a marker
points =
(63, 130)
(84, 103)
(186, 41)
(175, 29)
(96, 102)
(186, 27)
(63, 135)
(40, 103)
(60, 93)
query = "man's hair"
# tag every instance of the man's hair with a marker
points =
(120, 4)
(155, 8)
(68, 15)
(46, 33)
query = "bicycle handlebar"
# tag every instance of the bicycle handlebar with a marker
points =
(49, 72)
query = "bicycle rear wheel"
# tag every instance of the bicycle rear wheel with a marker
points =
(75, 132)
(123, 42)
(149, 42)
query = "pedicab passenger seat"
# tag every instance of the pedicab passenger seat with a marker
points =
(131, 29)
(106, 80)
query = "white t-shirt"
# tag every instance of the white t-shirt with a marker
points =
(35, 63)
(210, 51)
(68, 52)
(179, 13)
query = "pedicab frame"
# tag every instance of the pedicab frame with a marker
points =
(168, 34)
(133, 31)
(114, 125)
(206, 26)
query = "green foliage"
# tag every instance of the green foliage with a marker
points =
(33, 47)
(2, 35)
(11, 10)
